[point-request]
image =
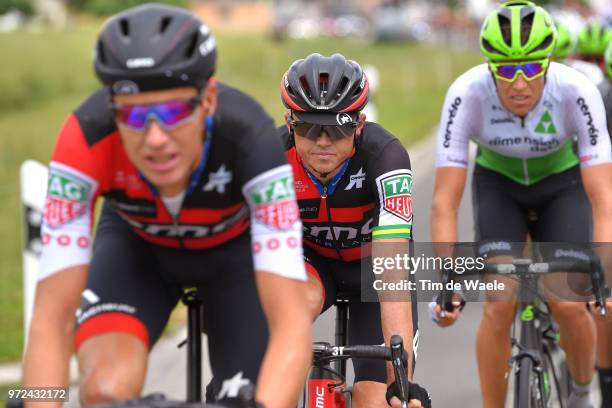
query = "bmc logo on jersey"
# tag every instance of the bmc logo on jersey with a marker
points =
(67, 198)
(396, 189)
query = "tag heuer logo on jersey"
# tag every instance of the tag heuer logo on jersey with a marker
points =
(66, 198)
(275, 203)
(396, 189)
(546, 125)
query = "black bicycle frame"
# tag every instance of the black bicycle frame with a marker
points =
(530, 345)
(194, 345)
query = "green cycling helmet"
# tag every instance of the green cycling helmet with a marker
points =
(593, 39)
(565, 43)
(608, 59)
(517, 30)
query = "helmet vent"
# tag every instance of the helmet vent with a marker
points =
(165, 22)
(526, 26)
(487, 46)
(544, 44)
(343, 85)
(101, 54)
(124, 25)
(305, 87)
(290, 92)
(505, 28)
(193, 41)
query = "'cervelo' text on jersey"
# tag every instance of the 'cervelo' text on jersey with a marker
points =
(244, 181)
(524, 149)
(370, 198)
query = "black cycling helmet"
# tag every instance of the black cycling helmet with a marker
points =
(317, 88)
(152, 47)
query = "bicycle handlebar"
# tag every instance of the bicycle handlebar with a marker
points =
(325, 351)
(524, 266)
(396, 354)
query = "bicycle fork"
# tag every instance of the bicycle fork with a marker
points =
(530, 348)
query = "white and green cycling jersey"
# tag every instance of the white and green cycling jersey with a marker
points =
(606, 93)
(524, 149)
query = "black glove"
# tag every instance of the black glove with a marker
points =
(415, 391)
(447, 304)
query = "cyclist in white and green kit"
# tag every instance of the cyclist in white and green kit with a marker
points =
(604, 326)
(523, 110)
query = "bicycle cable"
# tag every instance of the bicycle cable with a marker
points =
(554, 373)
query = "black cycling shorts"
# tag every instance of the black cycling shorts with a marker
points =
(133, 286)
(558, 205)
(364, 328)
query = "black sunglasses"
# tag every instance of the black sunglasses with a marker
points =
(312, 131)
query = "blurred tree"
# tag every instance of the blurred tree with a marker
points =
(108, 7)
(25, 6)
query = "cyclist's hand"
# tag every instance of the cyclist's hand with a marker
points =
(447, 318)
(413, 403)
(418, 396)
(595, 310)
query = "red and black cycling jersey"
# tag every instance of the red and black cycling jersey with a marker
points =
(243, 179)
(370, 198)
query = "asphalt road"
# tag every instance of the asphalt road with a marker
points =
(446, 363)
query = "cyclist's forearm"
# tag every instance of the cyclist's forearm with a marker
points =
(50, 338)
(289, 350)
(396, 318)
(443, 223)
(285, 365)
(602, 224)
(597, 182)
(448, 190)
(601, 204)
(46, 360)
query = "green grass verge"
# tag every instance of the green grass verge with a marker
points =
(4, 389)
(46, 75)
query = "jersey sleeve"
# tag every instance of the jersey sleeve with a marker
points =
(586, 111)
(605, 88)
(267, 185)
(454, 131)
(73, 186)
(393, 190)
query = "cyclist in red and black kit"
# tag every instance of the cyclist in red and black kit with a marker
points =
(198, 193)
(354, 187)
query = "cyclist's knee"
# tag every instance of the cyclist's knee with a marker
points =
(498, 316)
(569, 311)
(104, 385)
(112, 368)
(314, 296)
(369, 394)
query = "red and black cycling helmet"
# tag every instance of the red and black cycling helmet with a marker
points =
(152, 47)
(316, 87)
